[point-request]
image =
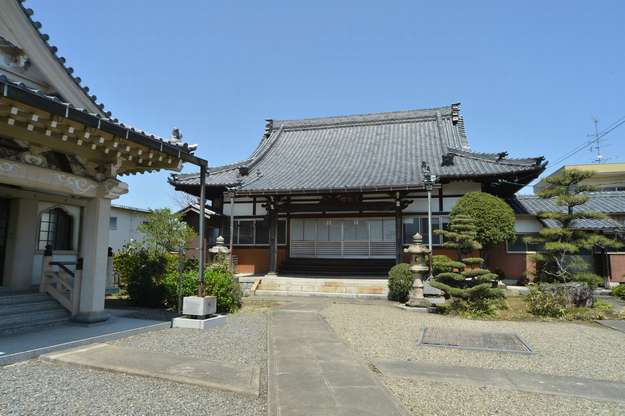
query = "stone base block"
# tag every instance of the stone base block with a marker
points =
(429, 309)
(184, 322)
(197, 306)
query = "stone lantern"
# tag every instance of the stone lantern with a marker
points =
(419, 269)
(219, 250)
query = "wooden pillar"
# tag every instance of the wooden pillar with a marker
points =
(399, 246)
(272, 213)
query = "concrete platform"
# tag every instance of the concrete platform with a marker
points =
(613, 324)
(191, 323)
(180, 369)
(20, 347)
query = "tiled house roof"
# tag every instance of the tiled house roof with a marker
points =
(609, 203)
(381, 151)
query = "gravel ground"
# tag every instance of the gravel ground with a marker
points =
(386, 332)
(433, 398)
(37, 387)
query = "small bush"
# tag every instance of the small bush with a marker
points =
(142, 272)
(546, 304)
(399, 282)
(170, 286)
(591, 279)
(619, 291)
(220, 283)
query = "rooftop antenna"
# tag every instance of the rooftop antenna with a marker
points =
(596, 147)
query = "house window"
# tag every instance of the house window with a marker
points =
(55, 229)
(254, 232)
(113, 223)
(518, 245)
(413, 224)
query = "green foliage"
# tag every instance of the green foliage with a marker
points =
(399, 282)
(221, 283)
(619, 291)
(492, 216)
(591, 279)
(461, 235)
(560, 262)
(142, 271)
(164, 231)
(469, 291)
(473, 261)
(188, 287)
(548, 304)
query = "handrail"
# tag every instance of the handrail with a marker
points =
(63, 265)
(62, 284)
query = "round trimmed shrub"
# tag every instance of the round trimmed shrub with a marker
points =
(220, 283)
(399, 282)
(619, 291)
(492, 216)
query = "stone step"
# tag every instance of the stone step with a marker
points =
(17, 308)
(12, 299)
(323, 287)
(24, 320)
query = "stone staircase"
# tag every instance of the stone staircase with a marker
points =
(333, 287)
(29, 311)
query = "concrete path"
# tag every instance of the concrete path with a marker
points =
(614, 324)
(25, 346)
(181, 369)
(506, 379)
(311, 372)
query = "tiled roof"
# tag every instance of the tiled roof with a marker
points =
(380, 151)
(609, 203)
(606, 202)
(61, 60)
(21, 92)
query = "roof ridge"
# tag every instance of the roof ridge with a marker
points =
(365, 118)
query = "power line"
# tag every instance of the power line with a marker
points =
(589, 143)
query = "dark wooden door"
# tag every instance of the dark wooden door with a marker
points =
(4, 223)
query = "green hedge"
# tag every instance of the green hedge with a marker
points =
(399, 282)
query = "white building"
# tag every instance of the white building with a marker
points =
(124, 225)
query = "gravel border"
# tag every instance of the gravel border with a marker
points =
(561, 348)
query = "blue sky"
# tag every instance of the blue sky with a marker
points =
(530, 75)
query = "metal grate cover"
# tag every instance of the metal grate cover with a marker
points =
(473, 340)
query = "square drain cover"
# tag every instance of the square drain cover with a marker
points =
(473, 340)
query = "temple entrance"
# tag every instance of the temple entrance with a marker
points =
(4, 223)
(343, 238)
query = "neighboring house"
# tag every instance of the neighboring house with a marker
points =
(344, 195)
(515, 259)
(608, 177)
(191, 215)
(123, 225)
(61, 158)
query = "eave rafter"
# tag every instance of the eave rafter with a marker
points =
(24, 122)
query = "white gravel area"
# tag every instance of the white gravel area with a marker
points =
(444, 399)
(37, 387)
(382, 331)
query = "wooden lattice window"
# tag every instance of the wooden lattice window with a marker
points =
(55, 229)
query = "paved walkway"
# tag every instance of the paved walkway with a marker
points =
(506, 379)
(617, 325)
(311, 372)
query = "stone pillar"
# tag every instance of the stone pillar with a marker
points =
(94, 251)
(21, 243)
(399, 245)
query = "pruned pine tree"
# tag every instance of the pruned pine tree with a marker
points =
(468, 286)
(559, 261)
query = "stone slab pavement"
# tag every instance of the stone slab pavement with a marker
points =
(166, 366)
(311, 372)
(618, 325)
(506, 379)
(25, 346)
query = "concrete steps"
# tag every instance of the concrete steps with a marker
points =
(332, 287)
(30, 311)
